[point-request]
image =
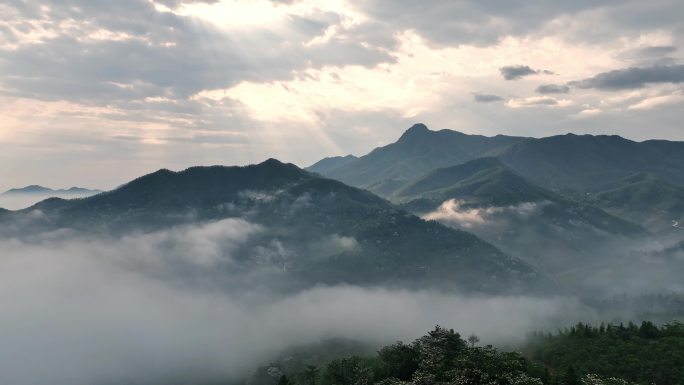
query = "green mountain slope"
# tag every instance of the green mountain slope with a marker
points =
(646, 199)
(483, 181)
(554, 233)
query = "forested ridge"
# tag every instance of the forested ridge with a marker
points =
(645, 354)
(582, 354)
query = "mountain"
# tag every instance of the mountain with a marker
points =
(327, 165)
(579, 166)
(482, 181)
(19, 198)
(40, 190)
(417, 151)
(588, 163)
(313, 230)
(569, 163)
(484, 196)
(32, 189)
(644, 198)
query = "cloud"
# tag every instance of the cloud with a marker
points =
(516, 72)
(141, 52)
(650, 55)
(658, 101)
(453, 213)
(79, 311)
(633, 77)
(552, 89)
(486, 98)
(450, 23)
(538, 101)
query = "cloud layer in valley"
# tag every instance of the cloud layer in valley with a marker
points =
(81, 310)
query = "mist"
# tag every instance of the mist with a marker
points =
(586, 261)
(146, 308)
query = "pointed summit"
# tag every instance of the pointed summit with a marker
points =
(415, 131)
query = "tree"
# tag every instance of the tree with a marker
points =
(399, 361)
(284, 380)
(309, 374)
(473, 339)
(571, 378)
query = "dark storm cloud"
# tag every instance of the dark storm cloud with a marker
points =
(552, 89)
(486, 98)
(633, 77)
(516, 72)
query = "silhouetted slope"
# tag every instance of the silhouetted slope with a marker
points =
(327, 165)
(315, 230)
(417, 151)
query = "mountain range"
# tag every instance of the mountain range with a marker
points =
(436, 209)
(40, 190)
(314, 230)
(580, 167)
(571, 205)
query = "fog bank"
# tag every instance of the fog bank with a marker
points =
(80, 311)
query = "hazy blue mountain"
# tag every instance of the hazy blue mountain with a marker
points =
(588, 163)
(327, 165)
(417, 151)
(40, 190)
(484, 196)
(316, 230)
(19, 198)
(32, 189)
(646, 199)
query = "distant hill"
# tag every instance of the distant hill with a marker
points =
(588, 163)
(40, 190)
(19, 198)
(417, 151)
(316, 230)
(327, 165)
(483, 181)
(644, 198)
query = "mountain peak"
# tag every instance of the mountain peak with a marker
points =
(271, 162)
(415, 130)
(32, 189)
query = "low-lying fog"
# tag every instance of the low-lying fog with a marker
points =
(80, 310)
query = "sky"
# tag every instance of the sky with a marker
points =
(94, 93)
